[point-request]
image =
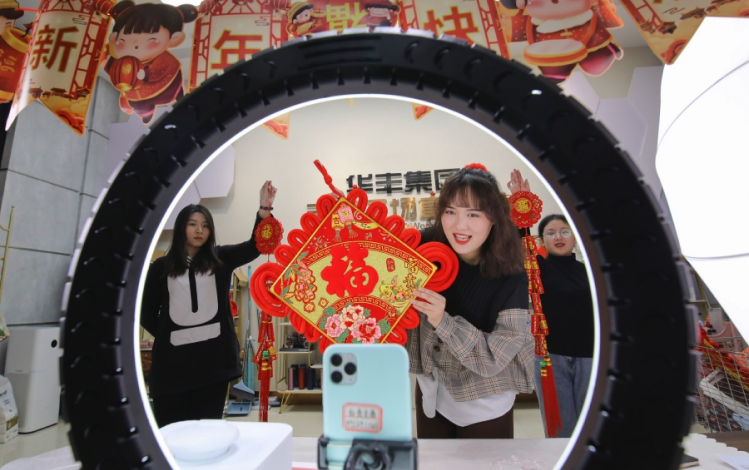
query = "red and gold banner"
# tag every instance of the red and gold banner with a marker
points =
(61, 62)
(475, 21)
(232, 31)
(668, 25)
(562, 35)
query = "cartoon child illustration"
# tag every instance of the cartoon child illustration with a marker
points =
(141, 67)
(13, 45)
(303, 19)
(379, 13)
(562, 34)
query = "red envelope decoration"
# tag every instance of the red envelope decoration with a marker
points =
(348, 275)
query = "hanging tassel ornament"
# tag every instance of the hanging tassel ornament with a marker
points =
(525, 211)
(266, 354)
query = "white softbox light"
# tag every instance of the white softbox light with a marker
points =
(703, 158)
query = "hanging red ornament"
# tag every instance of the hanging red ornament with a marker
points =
(525, 208)
(268, 235)
(525, 212)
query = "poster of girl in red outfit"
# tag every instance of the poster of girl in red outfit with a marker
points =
(141, 66)
(562, 35)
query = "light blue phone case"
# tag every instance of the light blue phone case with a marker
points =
(372, 403)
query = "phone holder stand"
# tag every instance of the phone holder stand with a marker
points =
(366, 454)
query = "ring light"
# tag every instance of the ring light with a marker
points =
(640, 409)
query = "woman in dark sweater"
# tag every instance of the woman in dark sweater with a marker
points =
(186, 308)
(473, 351)
(568, 306)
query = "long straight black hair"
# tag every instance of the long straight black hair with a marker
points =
(502, 252)
(205, 260)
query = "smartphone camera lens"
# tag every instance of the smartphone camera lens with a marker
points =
(336, 377)
(336, 359)
(350, 368)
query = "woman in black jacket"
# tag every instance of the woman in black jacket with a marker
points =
(186, 308)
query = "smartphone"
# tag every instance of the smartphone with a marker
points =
(366, 395)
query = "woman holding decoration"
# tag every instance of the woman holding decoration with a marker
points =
(186, 308)
(473, 350)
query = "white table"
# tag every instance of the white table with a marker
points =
(437, 454)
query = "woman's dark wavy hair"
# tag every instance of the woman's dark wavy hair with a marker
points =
(206, 260)
(502, 252)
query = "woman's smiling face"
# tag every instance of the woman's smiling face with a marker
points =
(466, 229)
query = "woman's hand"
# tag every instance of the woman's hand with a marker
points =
(517, 183)
(267, 196)
(432, 305)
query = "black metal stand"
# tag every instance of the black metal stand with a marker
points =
(366, 454)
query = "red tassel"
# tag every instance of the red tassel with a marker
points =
(540, 330)
(266, 354)
(551, 404)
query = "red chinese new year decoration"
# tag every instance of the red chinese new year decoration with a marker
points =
(231, 31)
(525, 208)
(564, 35)
(474, 21)
(268, 235)
(348, 274)
(718, 358)
(525, 217)
(266, 354)
(61, 63)
(306, 17)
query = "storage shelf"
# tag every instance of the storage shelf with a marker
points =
(288, 357)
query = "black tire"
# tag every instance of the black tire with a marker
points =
(641, 407)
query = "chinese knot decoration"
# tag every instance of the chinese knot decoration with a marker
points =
(348, 275)
(268, 235)
(525, 212)
(525, 208)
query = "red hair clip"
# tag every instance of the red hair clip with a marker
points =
(477, 166)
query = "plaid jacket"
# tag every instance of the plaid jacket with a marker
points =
(471, 363)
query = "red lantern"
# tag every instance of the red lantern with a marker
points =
(124, 73)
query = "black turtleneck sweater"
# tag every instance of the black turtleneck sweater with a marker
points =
(567, 304)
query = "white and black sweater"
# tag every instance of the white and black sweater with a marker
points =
(190, 318)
